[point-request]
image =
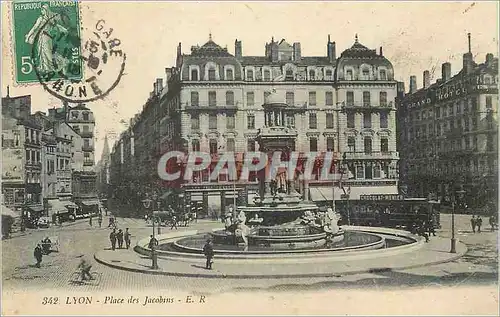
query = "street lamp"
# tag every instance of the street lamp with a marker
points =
(458, 194)
(147, 204)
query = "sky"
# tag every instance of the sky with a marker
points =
(415, 36)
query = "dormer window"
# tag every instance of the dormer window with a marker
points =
(348, 74)
(312, 74)
(250, 74)
(229, 74)
(74, 114)
(194, 74)
(267, 75)
(289, 74)
(366, 73)
(383, 74)
(86, 116)
(211, 74)
(328, 74)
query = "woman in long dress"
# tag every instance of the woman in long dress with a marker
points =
(48, 26)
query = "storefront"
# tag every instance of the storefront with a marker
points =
(87, 208)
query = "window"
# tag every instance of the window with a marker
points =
(229, 98)
(212, 121)
(348, 74)
(368, 171)
(383, 98)
(211, 74)
(230, 121)
(487, 80)
(213, 146)
(438, 129)
(290, 120)
(251, 98)
(351, 144)
(267, 75)
(194, 74)
(86, 116)
(488, 102)
(196, 145)
(450, 110)
(86, 143)
(266, 96)
(367, 120)
(313, 122)
(329, 120)
(212, 98)
(366, 98)
(368, 145)
(350, 98)
(438, 112)
(251, 145)
(289, 74)
(290, 98)
(360, 172)
(312, 74)
(312, 98)
(28, 155)
(250, 74)
(383, 75)
(195, 99)
(74, 114)
(473, 106)
(230, 145)
(350, 120)
(251, 121)
(313, 144)
(328, 74)
(330, 144)
(474, 123)
(195, 122)
(329, 98)
(229, 74)
(366, 73)
(384, 145)
(383, 120)
(376, 171)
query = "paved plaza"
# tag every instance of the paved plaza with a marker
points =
(479, 265)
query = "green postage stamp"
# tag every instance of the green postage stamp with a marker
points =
(46, 38)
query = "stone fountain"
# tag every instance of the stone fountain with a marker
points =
(280, 218)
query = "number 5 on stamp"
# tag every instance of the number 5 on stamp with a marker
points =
(46, 40)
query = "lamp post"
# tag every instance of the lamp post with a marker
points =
(458, 194)
(154, 265)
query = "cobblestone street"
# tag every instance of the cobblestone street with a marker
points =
(478, 266)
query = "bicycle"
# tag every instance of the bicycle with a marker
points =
(76, 277)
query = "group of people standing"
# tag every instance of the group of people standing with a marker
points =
(119, 237)
(476, 222)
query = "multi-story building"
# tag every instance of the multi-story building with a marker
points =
(449, 132)
(212, 102)
(13, 173)
(49, 159)
(103, 176)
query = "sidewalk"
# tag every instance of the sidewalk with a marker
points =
(434, 252)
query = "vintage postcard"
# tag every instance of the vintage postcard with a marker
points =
(249, 158)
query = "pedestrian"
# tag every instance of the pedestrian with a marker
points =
(112, 238)
(492, 222)
(174, 222)
(38, 253)
(152, 242)
(127, 238)
(208, 250)
(90, 220)
(119, 238)
(479, 222)
(99, 220)
(473, 223)
(111, 221)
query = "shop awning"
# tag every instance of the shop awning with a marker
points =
(90, 202)
(35, 208)
(57, 206)
(69, 204)
(316, 195)
(355, 192)
(9, 212)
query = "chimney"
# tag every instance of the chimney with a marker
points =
(168, 73)
(401, 86)
(296, 52)
(381, 53)
(155, 90)
(8, 88)
(468, 59)
(489, 63)
(238, 50)
(331, 51)
(159, 85)
(446, 72)
(413, 84)
(179, 49)
(427, 79)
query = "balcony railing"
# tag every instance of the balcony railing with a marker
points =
(87, 134)
(63, 173)
(371, 155)
(88, 148)
(88, 163)
(367, 106)
(33, 164)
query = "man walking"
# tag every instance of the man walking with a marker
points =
(208, 250)
(479, 223)
(99, 220)
(174, 222)
(127, 238)
(473, 223)
(152, 242)
(112, 238)
(119, 237)
(38, 255)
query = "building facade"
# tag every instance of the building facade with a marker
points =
(449, 133)
(212, 101)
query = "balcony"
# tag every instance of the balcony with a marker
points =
(211, 108)
(30, 164)
(88, 148)
(88, 163)
(372, 155)
(87, 134)
(367, 107)
(63, 174)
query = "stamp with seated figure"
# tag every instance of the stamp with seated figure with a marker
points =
(46, 39)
